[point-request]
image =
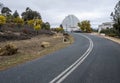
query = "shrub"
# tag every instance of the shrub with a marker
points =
(8, 49)
(30, 22)
(37, 27)
(59, 29)
(110, 32)
(25, 31)
(2, 20)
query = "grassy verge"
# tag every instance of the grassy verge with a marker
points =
(20, 58)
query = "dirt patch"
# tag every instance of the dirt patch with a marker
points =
(117, 40)
(30, 49)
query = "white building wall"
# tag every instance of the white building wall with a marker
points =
(105, 26)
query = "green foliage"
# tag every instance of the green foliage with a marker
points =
(30, 22)
(2, 19)
(85, 26)
(116, 18)
(110, 32)
(59, 29)
(61, 26)
(117, 28)
(37, 27)
(46, 26)
(95, 30)
(6, 11)
(30, 14)
(9, 19)
(38, 21)
(30, 17)
(18, 21)
(37, 24)
(15, 14)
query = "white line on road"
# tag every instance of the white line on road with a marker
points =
(71, 68)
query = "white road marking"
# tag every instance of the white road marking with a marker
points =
(77, 63)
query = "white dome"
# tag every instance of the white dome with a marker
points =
(70, 23)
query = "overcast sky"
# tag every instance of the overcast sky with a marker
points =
(54, 11)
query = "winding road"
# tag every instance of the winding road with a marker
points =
(90, 59)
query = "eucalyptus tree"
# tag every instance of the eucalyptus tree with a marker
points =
(15, 14)
(29, 14)
(6, 11)
(116, 18)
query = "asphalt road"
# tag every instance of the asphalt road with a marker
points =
(90, 59)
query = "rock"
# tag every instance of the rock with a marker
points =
(45, 44)
(67, 38)
(17, 34)
(9, 32)
(1, 33)
(8, 49)
(102, 34)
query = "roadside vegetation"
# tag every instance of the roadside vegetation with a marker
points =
(115, 31)
(25, 37)
(85, 26)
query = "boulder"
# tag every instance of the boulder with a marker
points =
(45, 44)
(1, 33)
(17, 34)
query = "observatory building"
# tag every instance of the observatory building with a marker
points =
(70, 23)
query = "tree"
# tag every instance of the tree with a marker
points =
(9, 18)
(15, 14)
(59, 29)
(18, 21)
(28, 9)
(30, 14)
(116, 18)
(37, 25)
(46, 26)
(61, 25)
(85, 26)
(30, 22)
(2, 20)
(6, 11)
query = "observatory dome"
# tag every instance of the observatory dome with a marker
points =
(70, 23)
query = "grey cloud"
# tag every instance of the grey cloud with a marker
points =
(54, 11)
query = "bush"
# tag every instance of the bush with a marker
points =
(8, 49)
(2, 20)
(30, 22)
(25, 31)
(18, 20)
(110, 32)
(59, 29)
(112, 35)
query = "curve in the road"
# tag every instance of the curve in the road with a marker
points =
(77, 63)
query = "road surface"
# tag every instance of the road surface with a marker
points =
(90, 59)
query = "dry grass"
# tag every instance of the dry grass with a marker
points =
(31, 49)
